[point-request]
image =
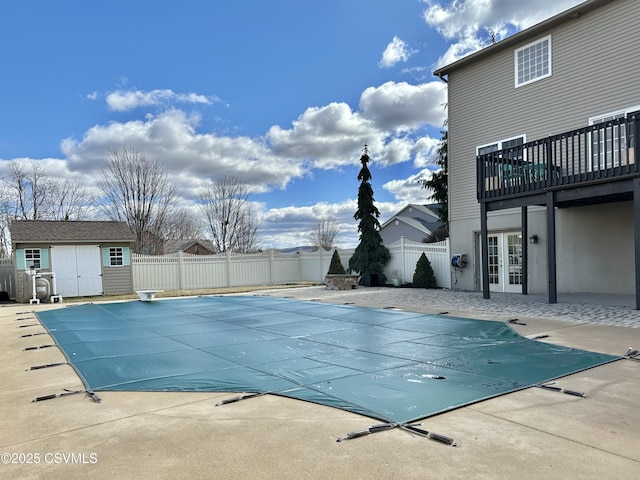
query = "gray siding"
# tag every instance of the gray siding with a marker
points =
(594, 65)
(117, 280)
(595, 61)
(392, 233)
(23, 280)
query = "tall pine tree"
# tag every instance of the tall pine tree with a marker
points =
(439, 181)
(370, 255)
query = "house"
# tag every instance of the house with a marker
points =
(544, 184)
(87, 258)
(414, 222)
(192, 247)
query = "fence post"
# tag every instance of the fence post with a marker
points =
(403, 260)
(448, 261)
(228, 268)
(271, 267)
(180, 270)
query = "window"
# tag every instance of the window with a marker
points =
(32, 258)
(505, 169)
(612, 143)
(533, 61)
(515, 154)
(116, 257)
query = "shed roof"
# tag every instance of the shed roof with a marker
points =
(23, 231)
(180, 245)
(422, 217)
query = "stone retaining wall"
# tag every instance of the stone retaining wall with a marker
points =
(341, 282)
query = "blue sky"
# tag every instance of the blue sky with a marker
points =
(282, 94)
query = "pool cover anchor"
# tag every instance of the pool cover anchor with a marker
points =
(632, 354)
(66, 393)
(239, 397)
(38, 347)
(46, 365)
(549, 386)
(515, 321)
(539, 337)
(33, 334)
(411, 427)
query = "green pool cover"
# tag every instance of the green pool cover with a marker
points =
(391, 365)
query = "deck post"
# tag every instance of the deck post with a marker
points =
(551, 248)
(636, 233)
(525, 251)
(484, 247)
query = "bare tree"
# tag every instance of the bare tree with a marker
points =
(324, 233)
(229, 217)
(7, 209)
(182, 224)
(35, 195)
(69, 200)
(32, 190)
(137, 191)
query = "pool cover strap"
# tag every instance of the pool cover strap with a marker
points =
(549, 386)
(240, 397)
(66, 393)
(412, 427)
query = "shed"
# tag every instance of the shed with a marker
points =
(88, 257)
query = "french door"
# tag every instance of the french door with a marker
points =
(505, 262)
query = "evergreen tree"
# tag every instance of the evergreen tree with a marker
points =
(370, 255)
(424, 276)
(439, 181)
(336, 268)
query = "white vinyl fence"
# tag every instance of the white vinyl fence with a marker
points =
(190, 272)
(7, 277)
(405, 255)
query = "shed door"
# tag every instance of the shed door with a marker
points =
(78, 270)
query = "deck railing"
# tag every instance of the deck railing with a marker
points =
(600, 152)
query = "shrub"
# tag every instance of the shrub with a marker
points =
(424, 276)
(336, 268)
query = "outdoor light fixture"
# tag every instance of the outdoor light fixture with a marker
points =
(533, 239)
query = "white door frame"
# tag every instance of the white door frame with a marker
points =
(78, 270)
(505, 261)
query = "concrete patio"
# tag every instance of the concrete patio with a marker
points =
(529, 434)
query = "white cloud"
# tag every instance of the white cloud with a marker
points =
(322, 137)
(468, 23)
(55, 168)
(404, 107)
(424, 151)
(300, 221)
(191, 158)
(409, 190)
(391, 119)
(333, 135)
(124, 100)
(397, 51)
(327, 136)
